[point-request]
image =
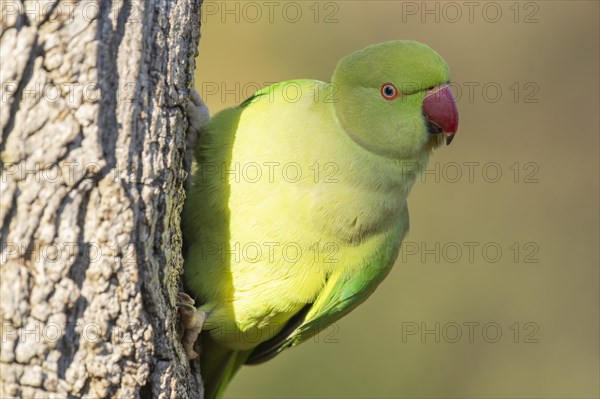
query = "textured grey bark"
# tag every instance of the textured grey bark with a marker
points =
(93, 163)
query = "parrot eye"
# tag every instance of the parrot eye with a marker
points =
(389, 91)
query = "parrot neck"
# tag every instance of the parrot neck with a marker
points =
(369, 197)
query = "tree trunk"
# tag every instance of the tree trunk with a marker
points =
(93, 162)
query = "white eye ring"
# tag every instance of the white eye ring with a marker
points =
(389, 91)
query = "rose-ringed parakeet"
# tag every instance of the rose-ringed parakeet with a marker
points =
(298, 206)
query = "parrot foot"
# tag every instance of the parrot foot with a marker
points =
(191, 320)
(197, 113)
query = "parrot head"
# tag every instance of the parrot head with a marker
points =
(394, 99)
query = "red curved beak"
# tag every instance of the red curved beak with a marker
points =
(440, 110)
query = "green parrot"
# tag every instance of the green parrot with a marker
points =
(297, 208)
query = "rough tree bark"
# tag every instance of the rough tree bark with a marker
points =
(92, 167)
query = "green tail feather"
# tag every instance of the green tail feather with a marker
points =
(218, 366)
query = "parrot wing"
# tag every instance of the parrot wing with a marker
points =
(341, 294)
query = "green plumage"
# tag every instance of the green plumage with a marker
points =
(298, 207)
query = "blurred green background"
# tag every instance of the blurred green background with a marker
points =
(497, 292)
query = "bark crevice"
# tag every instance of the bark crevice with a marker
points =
(34, 52)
